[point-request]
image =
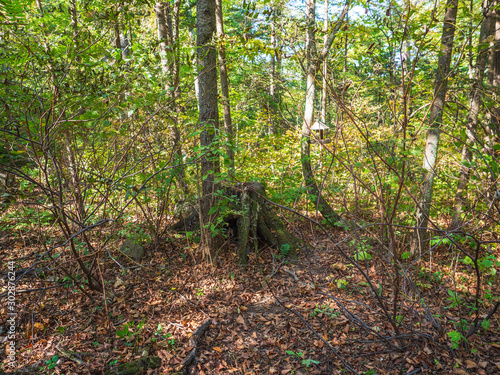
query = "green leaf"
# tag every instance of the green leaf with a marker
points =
(467, 260)
(362, 255)
(485, 324)
(487, 263)
(342, 284)
(455, 338)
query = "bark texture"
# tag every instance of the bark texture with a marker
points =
(162, 11)
(435, 120)
(476, 100)
(275, 64)
(254, 222)
(211, 241)
(493, 115)
(224, 87)
(325, 69)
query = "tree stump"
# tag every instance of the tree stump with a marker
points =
(249, 215)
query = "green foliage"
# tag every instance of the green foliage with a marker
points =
(305, 361)
(326, 310)
(456, 338)
(51, 363)
(135, 233)
(284, 250)
(454, 298)
(167, 336)
(362, 250)
(438, 277)
(485, 324)
(74, 98)
(11, 10)
(309, 362)
(342, 283)
(127, 332)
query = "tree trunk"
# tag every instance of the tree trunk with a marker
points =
(472, 122)
(436, 118)
(275, 67)
(493, 115)
(314, 61)
(168, 36)
(255, 221)
(224, 85)
(165, 42)
(121, 41)
(74, 25)
(211, 240)
(176, 50)
(325, 69)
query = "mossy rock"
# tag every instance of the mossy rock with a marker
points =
(132, 249)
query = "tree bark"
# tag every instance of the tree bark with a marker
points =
(275, 72)
(224, 85)
(121, 41)
(168, 37)
(253, 220)
(314, 61)
(176, 50)
(164, 39)
(325, 69)
(436, 118)
(493, 115)
(211, 240)
(476, 100)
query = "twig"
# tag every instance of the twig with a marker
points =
(72, 357)
(291, 273)
(275, 271)
(36, 289)
(114, 260)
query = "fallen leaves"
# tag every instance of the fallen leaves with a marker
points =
(469, 364)
(253, 332)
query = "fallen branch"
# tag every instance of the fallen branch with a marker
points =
(193, 341)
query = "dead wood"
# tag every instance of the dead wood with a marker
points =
(250, 218)
(193, 342)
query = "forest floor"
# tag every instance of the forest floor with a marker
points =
(270, 317)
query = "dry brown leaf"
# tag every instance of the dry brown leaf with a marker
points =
(339, 266)
(118, 283)
(483, 364)
(470, 364)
